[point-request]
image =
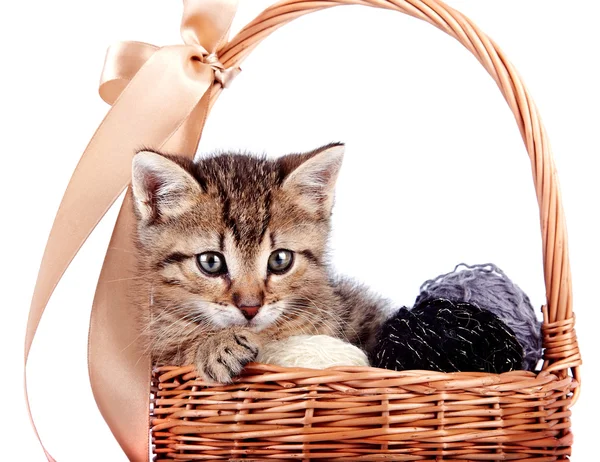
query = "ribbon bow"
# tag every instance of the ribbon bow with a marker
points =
(160, 98)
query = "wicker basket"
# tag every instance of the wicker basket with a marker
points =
(357, 413)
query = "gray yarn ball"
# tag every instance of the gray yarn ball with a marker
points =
(489, 288)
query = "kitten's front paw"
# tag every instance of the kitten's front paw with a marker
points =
(224, 355)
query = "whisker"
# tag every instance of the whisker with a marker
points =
(124, 279)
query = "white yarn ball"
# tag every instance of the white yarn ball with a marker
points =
(313, 352)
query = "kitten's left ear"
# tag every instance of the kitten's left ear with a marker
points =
(313, 181)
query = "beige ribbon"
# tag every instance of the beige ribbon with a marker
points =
(160, 98)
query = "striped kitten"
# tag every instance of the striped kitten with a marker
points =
(233, 253)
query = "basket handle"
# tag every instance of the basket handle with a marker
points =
(561, 350)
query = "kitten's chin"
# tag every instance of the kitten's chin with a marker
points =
(221, 317)
(221, 323)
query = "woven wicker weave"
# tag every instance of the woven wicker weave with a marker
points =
(352, 413)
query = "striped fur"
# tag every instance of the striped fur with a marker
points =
(244, 207)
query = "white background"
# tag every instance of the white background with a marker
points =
(435, 171)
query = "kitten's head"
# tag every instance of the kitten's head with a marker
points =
(234, 239)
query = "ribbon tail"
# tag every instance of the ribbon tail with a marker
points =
(149, 112)
(46, 453)
(119, 367)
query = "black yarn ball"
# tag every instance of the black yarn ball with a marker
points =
(446, 336)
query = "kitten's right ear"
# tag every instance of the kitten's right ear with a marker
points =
(162, 189)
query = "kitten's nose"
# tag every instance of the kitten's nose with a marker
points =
(249, 311)
(248, 303)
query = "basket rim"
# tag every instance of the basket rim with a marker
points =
(259, 373)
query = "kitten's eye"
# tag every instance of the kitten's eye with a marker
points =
(212, 263)
(280, 261)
